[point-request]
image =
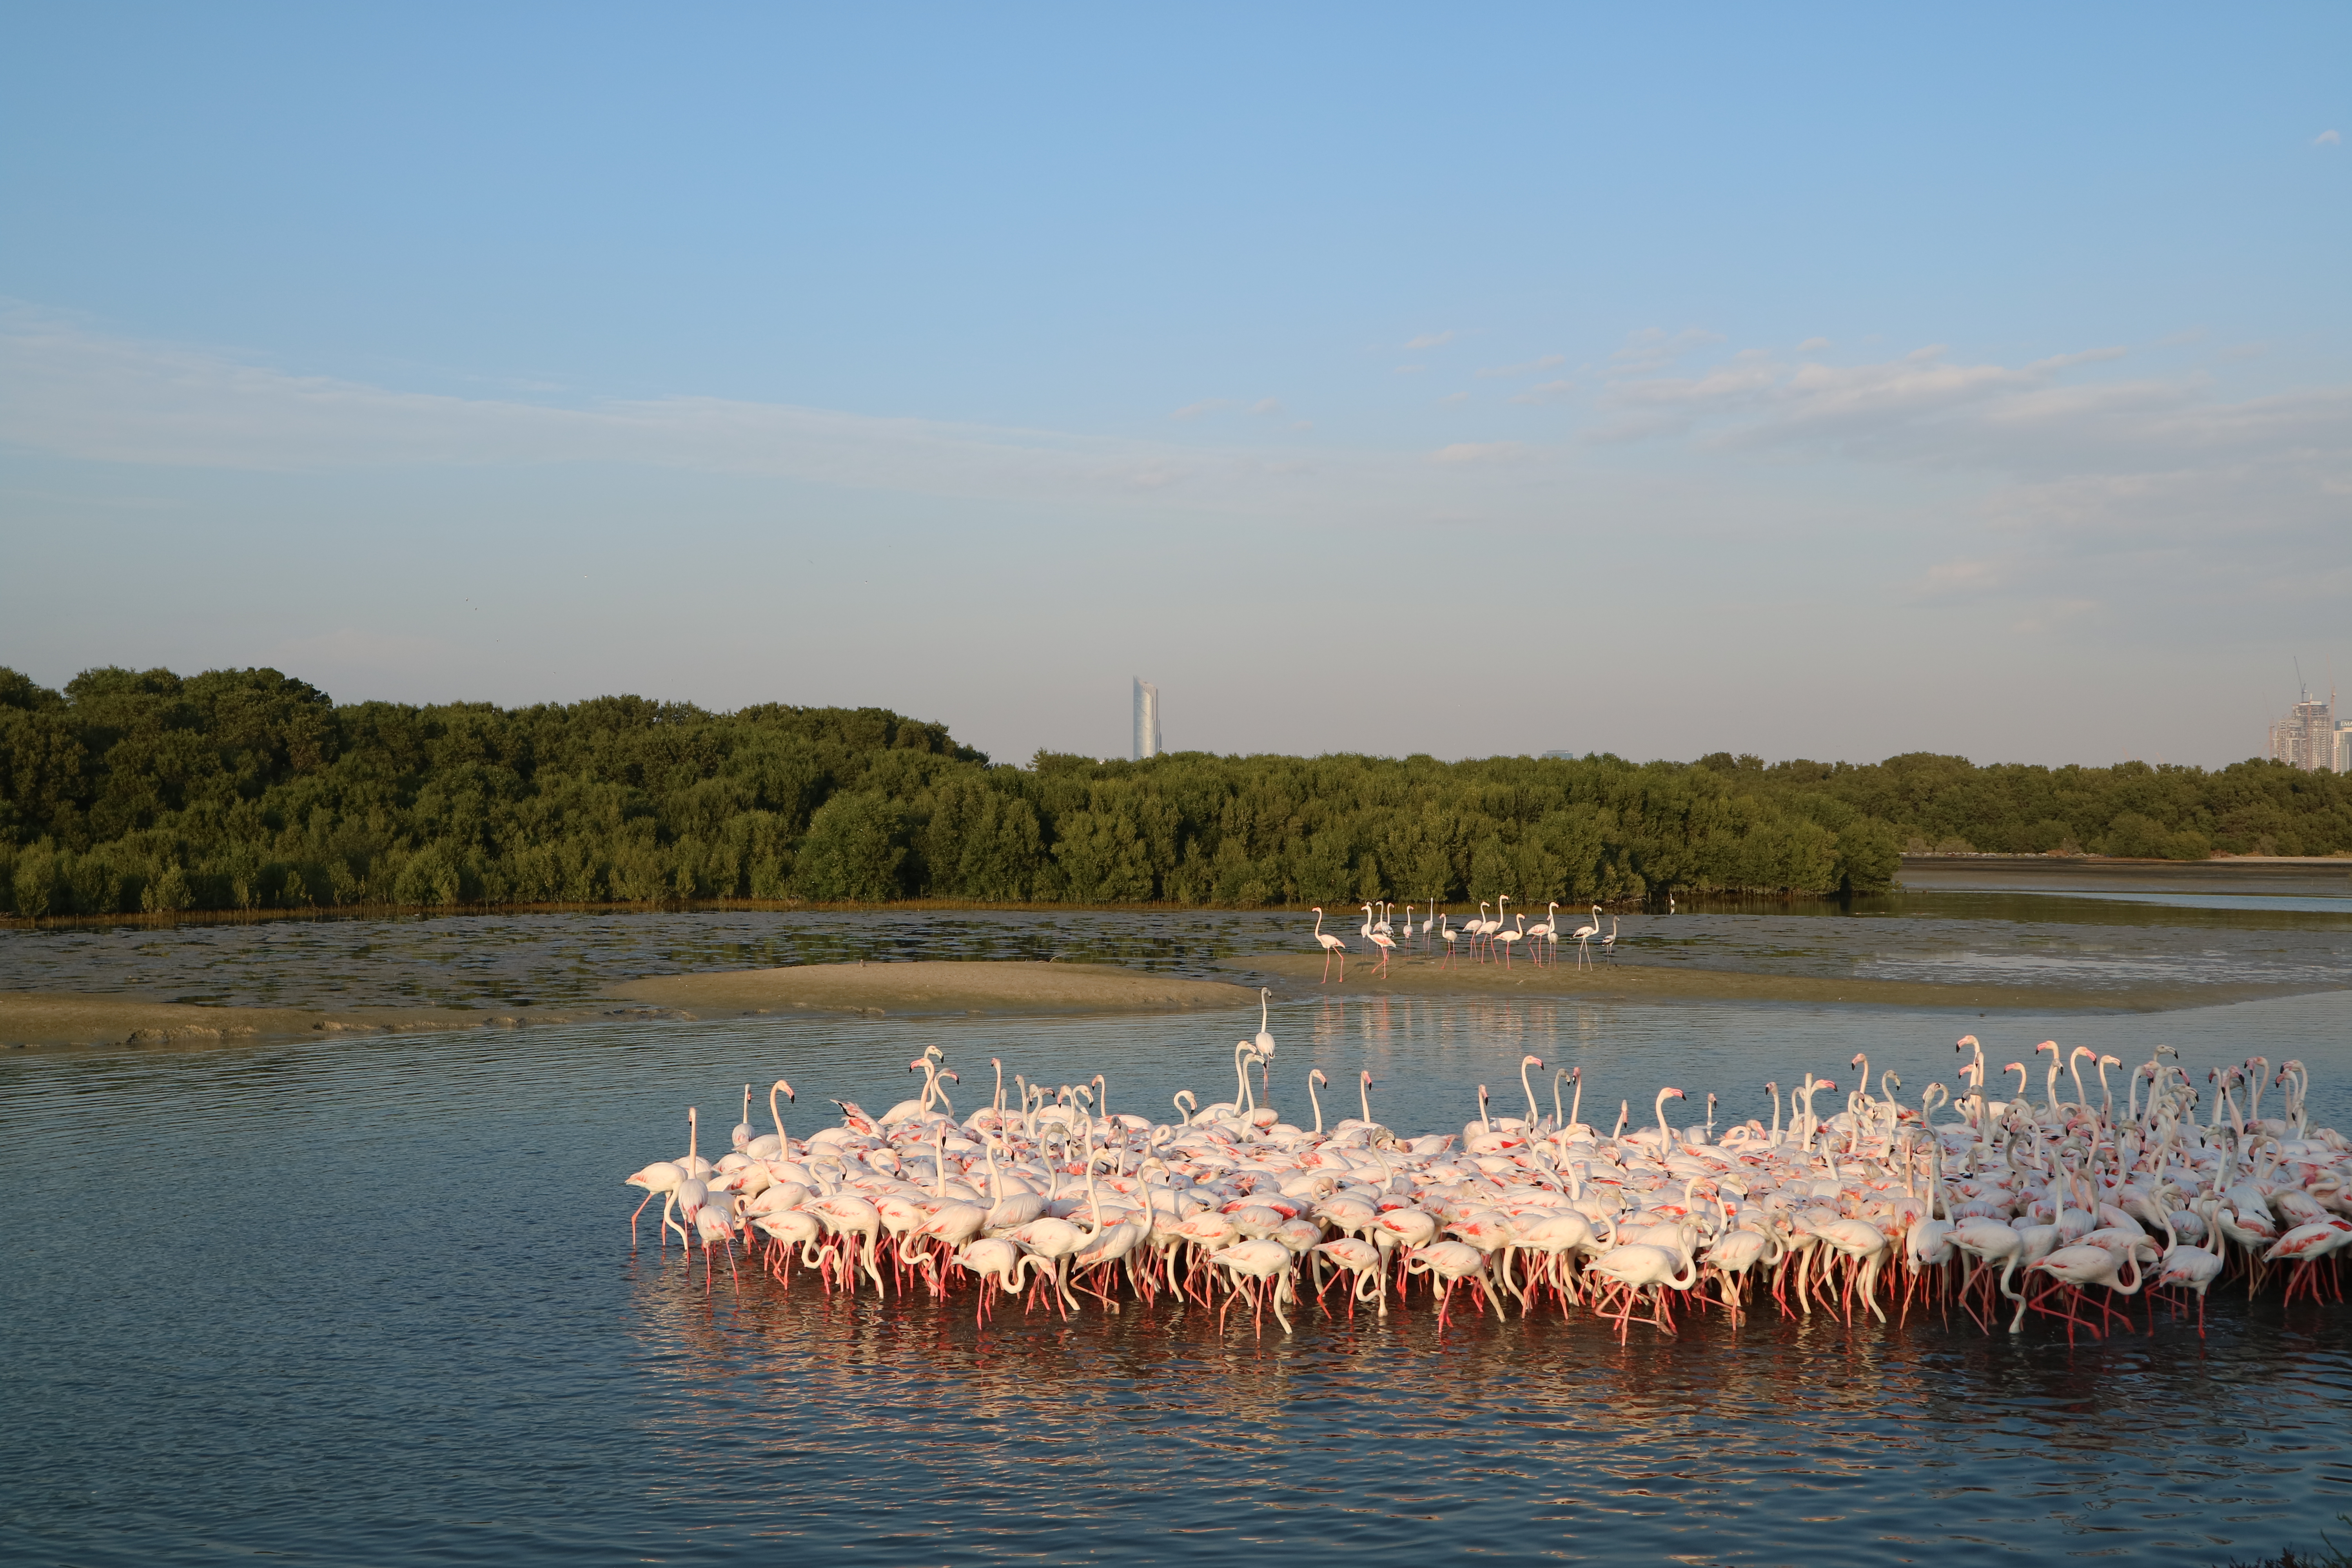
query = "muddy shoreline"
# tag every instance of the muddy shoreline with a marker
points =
(32, 1020)
(54, 1020)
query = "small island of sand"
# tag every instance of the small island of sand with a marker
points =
(932, 987)
(34, 1019)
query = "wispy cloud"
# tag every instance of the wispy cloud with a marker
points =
(74, 394)
(2328, 138)
(1206, 405)
(1475, 452)
(1528, 367)
(1430, 341)
(2153, 476)
(70, 392)
(1545, 391)
(1812, 346)
(1652, 349)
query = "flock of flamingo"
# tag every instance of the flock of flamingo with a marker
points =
(2006, 1208)
(1484, 939)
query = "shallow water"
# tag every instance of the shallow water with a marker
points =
(2082, 945)
(372, 1300)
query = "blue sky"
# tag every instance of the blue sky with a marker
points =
(1828, 382)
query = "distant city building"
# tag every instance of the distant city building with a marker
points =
(2344, 745)
(2307, 738)
(1558, 756)
(1147, 720)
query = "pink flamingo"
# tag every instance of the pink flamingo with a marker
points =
(1381, 938)
(1331, 945)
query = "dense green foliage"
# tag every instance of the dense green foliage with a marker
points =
(243, 789)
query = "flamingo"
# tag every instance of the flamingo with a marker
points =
(1609, 942)
(2046, 1207)
(1584, 934)
(1264, 1041)
(1511, 939)
(772, 1146)
(1331, 945)
(1548, 930)
(1379, 938)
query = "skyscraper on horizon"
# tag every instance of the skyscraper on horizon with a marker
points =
(1147, 720)
(2305, 738)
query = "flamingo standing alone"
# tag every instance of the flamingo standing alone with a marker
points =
(1331, 945)
(1584, 935)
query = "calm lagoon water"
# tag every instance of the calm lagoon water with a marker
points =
(373, 1301)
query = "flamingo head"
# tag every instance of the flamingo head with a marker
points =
(1316, 911)
(1674, 1094)
(780, 1083)
(2110, 1062)
(2050, 1046)
(1531, 1061)
(1826, 1086)
(1367, 1076)
(1316, 1076)
(1965, 1042)
(1858, 1059)
(950, 1078)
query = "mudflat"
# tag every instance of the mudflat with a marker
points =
(933, 985)
(79, 1018)
(29, 1018)
(1660, 983)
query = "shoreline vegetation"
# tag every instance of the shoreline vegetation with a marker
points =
(148, 792)
(1935, 868)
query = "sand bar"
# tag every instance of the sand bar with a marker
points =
(36, 1019)
(1418, 977)
(932, 987)
(53, 1019)
(79, 1018)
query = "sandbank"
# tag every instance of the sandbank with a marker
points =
(81, 1018)
(932, 985)
(1418, 977)
(29, 1018)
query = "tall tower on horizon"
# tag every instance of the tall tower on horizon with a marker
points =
(1147, 720)
(2305, 738)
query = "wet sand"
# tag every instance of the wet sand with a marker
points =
(38, 1019)
(933, 985)
(1661, 983)
(60, 1018)
(71, 1018)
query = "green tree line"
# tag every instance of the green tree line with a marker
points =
(247, 789)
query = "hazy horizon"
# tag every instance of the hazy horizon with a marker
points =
(1823, 383)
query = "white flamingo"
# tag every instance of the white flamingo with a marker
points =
(1584, 935)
